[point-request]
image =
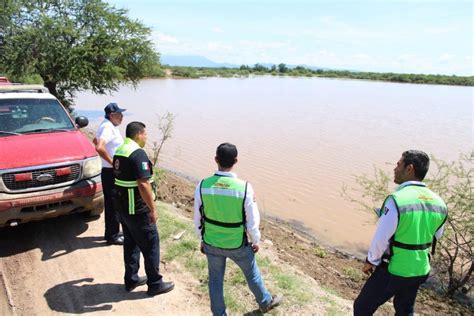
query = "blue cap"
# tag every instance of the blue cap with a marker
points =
(112, 108)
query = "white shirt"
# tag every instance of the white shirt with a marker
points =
(252, 215)
(111, 135)
(386, 228)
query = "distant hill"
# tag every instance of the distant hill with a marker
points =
(193, 61)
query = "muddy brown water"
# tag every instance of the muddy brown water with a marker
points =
(299, 139)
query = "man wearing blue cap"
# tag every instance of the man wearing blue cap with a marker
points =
(107, 140)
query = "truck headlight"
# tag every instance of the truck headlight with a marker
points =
(92, 167)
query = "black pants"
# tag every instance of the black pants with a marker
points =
(381, 286)
(112, 223)
(140, 235)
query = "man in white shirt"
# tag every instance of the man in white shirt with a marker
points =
(226, 218)
(411, 221)
(107, 140)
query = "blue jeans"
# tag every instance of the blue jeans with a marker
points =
(244, 257)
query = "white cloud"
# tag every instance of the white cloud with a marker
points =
(445, 58)
(441, 30)
(327, 19)
(336, 29)
(216, 46)
(326, 54)
(164, 38)
(406, 58)
(260, 45)
(217, 30)
(362, 56)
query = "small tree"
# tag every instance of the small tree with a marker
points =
(453, 264)
(455, 261)
(165, 126)
(282, 68)
(259, 68)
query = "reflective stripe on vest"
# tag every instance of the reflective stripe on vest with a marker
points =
(125, 150)
(222, 211)
(420, 214)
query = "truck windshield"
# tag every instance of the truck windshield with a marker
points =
(21, 116)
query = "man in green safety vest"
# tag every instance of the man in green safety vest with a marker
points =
(227, 221)
(134, 199)
(411, 221)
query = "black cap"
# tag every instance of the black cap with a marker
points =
(112, 108)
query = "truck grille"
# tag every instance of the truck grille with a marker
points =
(12, 184)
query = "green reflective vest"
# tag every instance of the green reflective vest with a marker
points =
(125, 150)
(222, 211)
(421, 213)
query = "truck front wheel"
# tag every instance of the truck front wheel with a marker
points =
(95, 212)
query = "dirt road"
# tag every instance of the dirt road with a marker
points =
(62, 265)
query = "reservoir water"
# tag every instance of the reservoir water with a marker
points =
(299, 139)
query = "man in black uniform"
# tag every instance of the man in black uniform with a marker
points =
(133, 173)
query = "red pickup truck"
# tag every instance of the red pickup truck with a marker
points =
(48, 167)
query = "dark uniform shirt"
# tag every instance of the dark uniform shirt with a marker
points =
(136, 166)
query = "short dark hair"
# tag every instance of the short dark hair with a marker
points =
(134, 128)
(226, 154)
(419, 160)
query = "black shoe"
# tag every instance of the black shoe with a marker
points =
(115, 241)
(164, 287)
(141, 281)
(276, 300)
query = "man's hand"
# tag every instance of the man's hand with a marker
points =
(102, 150)
(202, 247)
(144, 187)
(368, 268)
(153, 216)
(255, 248)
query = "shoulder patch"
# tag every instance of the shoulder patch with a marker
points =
(145, 166)
(117, 164)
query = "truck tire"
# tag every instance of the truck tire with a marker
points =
(94, 213)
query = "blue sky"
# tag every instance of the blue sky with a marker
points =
(434, 37)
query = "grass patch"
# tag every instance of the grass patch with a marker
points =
(330, 290)
(353, 274)
(293, 288)
(179, 248)
(332, 309)
(263, 262)
(238, 297)
(320, 252)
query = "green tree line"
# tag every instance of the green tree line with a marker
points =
(300, 71)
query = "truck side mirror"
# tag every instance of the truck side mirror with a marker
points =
(82, 121)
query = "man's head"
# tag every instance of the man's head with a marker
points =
(412, 166)
(226, 155)
(137, 132)
(114, 114)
